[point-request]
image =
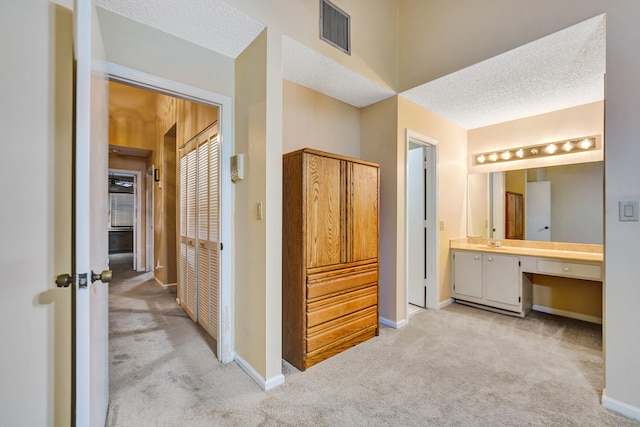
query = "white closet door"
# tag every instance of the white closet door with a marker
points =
(208, 194)
(199, 229)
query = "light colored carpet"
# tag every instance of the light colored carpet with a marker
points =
(458, 366)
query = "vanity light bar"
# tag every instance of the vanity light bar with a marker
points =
(541, 150)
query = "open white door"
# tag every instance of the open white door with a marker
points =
(538, 211)
(91, 325)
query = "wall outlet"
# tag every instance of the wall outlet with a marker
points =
(441, 225)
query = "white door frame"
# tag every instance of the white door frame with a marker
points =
(433, 235)
(137, 217)
(155, 83)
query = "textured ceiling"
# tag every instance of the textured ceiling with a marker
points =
(559, 71)
(562, 70)
(306, 67)
(212, 24)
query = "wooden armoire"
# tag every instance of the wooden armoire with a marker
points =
(330, 255)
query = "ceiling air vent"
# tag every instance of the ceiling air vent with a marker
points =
(335, 26)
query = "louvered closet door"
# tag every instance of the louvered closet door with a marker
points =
(188, 187)
(208, 231)
(200, 229)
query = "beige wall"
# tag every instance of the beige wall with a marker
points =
(314, 120)
(143, 48)
(379, 123)
(383, 132)
(451, 181)
(250, 244)
(373, 32)
(584, 120)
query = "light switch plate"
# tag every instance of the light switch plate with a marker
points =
(628, 210)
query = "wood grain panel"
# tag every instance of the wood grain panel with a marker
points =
(334, 330)
(323, 216)
(339, 346)
(364, 216)
(340, 305)
(340, 283)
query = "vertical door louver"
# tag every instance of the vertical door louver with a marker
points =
(335, 26)
(199, 229)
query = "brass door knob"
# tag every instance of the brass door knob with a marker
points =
(64, 280)
(104, 277)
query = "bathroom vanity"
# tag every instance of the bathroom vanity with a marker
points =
(497, 274)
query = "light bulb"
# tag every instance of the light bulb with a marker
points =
(506, 155)
(551, 148)
(586, 143)
(567, 146)
(481, 158)
(520, 153)
(493, 157)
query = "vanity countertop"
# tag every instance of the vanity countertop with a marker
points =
(557, 250)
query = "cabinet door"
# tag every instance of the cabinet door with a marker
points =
(467, 274)
(325, 186)
(363, 212)
(503, 279)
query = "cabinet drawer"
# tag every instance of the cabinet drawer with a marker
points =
(333, 330)
(570, 269)
(320, 285)
(331, 308)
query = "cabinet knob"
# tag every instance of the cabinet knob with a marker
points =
(566, 269)
(476, 257)
(489, 258)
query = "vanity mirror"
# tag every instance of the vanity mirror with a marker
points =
(558, 203)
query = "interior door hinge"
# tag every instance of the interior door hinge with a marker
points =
(519, 299)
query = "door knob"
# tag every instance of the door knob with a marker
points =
(64, 280)
(105, 276)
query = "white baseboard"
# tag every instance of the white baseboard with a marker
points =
(265, 384)
(445, 303)
(392, 324)
(570, 314)
(164, 285)
(620, 407)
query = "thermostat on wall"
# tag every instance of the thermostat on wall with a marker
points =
(237, 167)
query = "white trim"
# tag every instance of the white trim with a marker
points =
(392, 324)
(445, 303)
(433, 291)
(169, 87)
(265, 384)
(164, 285)
(137, 208)
(620, 407)
(570, 314)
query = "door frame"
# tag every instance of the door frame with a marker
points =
(165, 86)
(137, 217)
(433, 234)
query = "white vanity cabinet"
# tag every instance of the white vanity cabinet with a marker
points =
(490, 280)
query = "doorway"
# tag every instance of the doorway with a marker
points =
(164, 178)
(125, 208)
(421, 236)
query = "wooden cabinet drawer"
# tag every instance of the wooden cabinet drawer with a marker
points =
(319, 285)
(570, 269)
(334, 307)
(331, 331)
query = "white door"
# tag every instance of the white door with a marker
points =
(199, 225)
(538, 211)
(91, 221)
(417, 268)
